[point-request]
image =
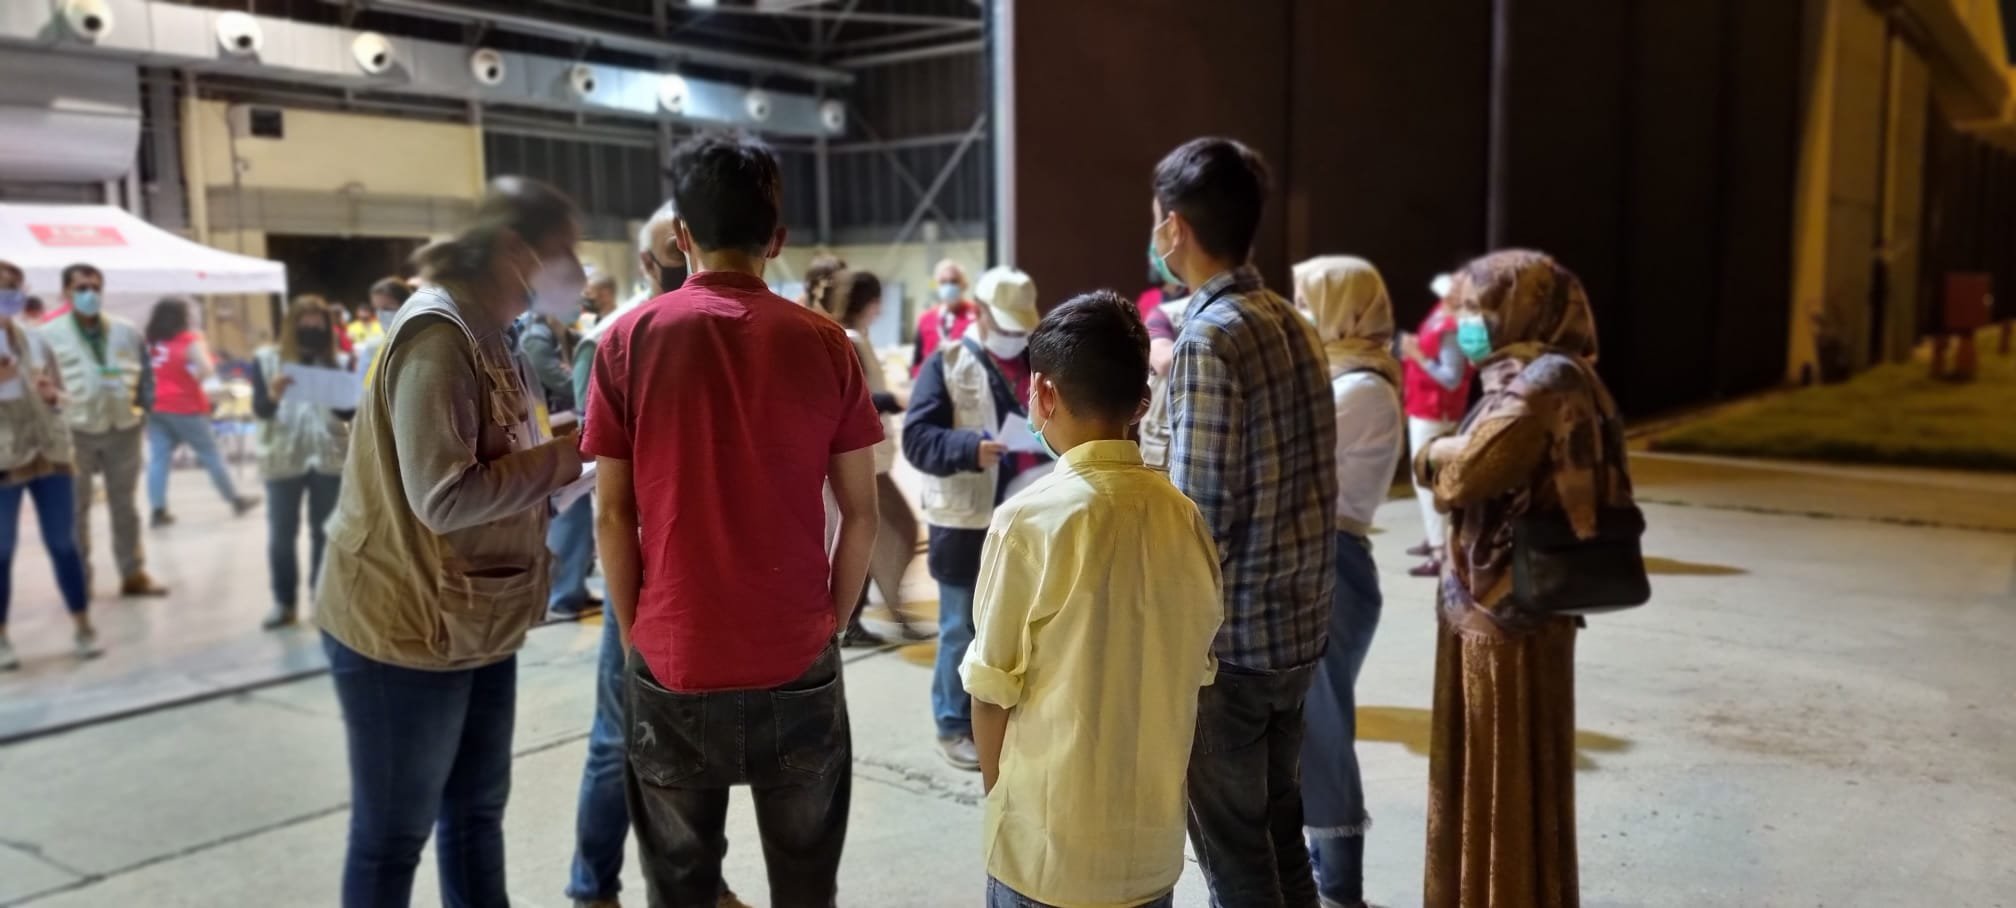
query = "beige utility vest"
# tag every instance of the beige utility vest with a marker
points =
(34, 440)
(99, 396)
(965, 501)
(397, 592)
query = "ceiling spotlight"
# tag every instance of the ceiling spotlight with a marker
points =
(487, 66)
(757, 103)
(89, 20)
(582, 79)
(673, 92)
(373, 52)
(239, 34)
(833, 115)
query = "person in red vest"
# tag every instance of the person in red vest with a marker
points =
(1437, 384)
(181, 414)
(946, 321)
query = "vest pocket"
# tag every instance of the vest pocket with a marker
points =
(468, 626)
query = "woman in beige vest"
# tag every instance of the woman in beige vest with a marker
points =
(36, 462)
(437, 560)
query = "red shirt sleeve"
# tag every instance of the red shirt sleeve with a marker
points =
(859, 426)
(606, 431)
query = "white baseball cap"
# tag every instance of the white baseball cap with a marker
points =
(1010, 296)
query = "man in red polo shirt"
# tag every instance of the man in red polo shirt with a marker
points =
(716, 414)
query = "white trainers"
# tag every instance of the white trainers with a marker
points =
(8, 661)
(87, 645)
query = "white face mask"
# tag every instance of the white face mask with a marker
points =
(1006, 346)
(556, 287)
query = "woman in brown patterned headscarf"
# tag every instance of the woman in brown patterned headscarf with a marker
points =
(1501, 795)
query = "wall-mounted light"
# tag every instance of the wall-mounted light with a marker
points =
(673, 93)
(239, 34)
(757, 104)
(373, 52)
(582, 79)
(89, 20)
(833, 115)
(486, 66)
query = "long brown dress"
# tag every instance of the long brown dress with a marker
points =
(1501, 795)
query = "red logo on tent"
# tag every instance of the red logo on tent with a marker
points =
(77, 234)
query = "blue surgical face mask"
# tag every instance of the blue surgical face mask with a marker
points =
(1160, 260)
(12, 302)
(948, 293)
(86, 302)
(1473, 337)
(1034, 430)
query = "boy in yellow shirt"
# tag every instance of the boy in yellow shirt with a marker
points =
(1096, 606)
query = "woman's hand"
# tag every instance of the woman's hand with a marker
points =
(45, 387)
(277, 388)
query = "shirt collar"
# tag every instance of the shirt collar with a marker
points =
(1109, 452)
(1240, 280)
(725, 280)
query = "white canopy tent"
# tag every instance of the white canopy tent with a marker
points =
(141, 262)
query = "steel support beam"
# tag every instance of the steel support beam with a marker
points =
(901, 38)
(928, 52)
(887, 149)
(1001, 76)
(928, 202)
(822, 178)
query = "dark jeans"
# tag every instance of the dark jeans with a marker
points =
(790, 745)
(1000, 896)
(428, 751)
(571, 539)
(1333, 792)
(55, 510)
(1245, 789)
(283, 530)
(602, 819)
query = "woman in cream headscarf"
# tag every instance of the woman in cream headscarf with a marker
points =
(1347, 301)
(1501, 773)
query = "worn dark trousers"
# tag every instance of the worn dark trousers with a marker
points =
(1246, 791)
(790, 745)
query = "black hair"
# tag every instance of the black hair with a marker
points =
(32, 306)
(521, 205)
(728, 190)
(853, 292)
(393, 288)
(78, 270)
(819, 275)
(1094, 348)
(169, 318)
(1219, 186)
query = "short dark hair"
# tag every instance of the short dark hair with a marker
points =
(1219, 186)
(1094, 348)
(33, 306)
(728, 190)
(393, 288)
(169, 319)
(78, 270)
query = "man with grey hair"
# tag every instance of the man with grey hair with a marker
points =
(602, 820)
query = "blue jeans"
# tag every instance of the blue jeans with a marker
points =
(1333, 791)
(166, 431)
(283, 531)
(1000, 896)
(429, 750)
(571, 539)
(950, 704)
(602, 821)
(56, 511)
(1245, 788)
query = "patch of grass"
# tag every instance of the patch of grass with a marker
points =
(1894, 414)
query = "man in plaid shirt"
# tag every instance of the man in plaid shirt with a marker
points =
(1253, 443)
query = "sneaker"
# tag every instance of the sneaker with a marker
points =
(281, 616)
(1429, 568)
(141, 585)
(87, 644)
(860, 637)
(8, 661)
(161, 519)
(243, 505)
(573, 613)
(1423, 550)
(961, 752)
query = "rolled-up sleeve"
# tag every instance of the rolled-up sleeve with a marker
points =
(1007, 603)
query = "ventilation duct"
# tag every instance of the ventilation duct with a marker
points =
(67, 119)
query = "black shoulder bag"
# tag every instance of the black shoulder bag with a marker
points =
(1555, 572)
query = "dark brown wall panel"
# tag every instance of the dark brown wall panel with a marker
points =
(1102, 91)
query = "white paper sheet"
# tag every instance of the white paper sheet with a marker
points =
(333, 388)
(574, 491)
(1014, 433)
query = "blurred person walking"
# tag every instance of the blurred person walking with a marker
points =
(945, 320)
(387, 295)
(1545, 440)
(35, 462)
(108, 388)
(302, 447)
(717, 413)
(1437, 393)
(436, 563)
(963, 397)
(1347, 301)
(548, 343)
(181, 416)
(598, 302)
(854, 299)
(1253, 441)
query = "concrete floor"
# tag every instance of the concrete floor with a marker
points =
(1815, 710)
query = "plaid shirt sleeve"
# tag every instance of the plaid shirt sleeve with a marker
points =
(1206, 410)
